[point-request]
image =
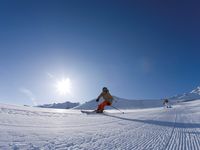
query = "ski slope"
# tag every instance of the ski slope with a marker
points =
(27, 128)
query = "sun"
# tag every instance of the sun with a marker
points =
(63, 86)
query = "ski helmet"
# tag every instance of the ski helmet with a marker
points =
(105, 89)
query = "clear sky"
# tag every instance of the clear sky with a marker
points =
(138, 49)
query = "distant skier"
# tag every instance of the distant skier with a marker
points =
(108, 99)
(166, 103)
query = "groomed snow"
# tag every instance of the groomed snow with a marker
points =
(27, 128)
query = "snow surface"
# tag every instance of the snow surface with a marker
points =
(27, 128)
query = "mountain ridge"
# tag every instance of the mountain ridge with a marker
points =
(65, 105)
(193, 95)
(124, 103)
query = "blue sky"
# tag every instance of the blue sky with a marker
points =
(138, 49)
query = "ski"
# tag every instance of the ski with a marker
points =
(90, 112)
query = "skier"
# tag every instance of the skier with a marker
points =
(108, 99)
(166, 103)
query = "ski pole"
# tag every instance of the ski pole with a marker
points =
(117, 109)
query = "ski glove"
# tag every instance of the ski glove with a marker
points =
(97, 100)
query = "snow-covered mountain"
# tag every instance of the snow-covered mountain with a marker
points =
(65, 105)
(193, 95)
(196, 91)
(124, 104)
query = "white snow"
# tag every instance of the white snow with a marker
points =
(27, 128)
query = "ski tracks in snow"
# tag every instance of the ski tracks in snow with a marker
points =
(186, 132)
(127, 134)
(177, 128)
(171, 129)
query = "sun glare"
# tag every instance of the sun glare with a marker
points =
(64, 86)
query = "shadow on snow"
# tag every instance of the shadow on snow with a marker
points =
(159, 122)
